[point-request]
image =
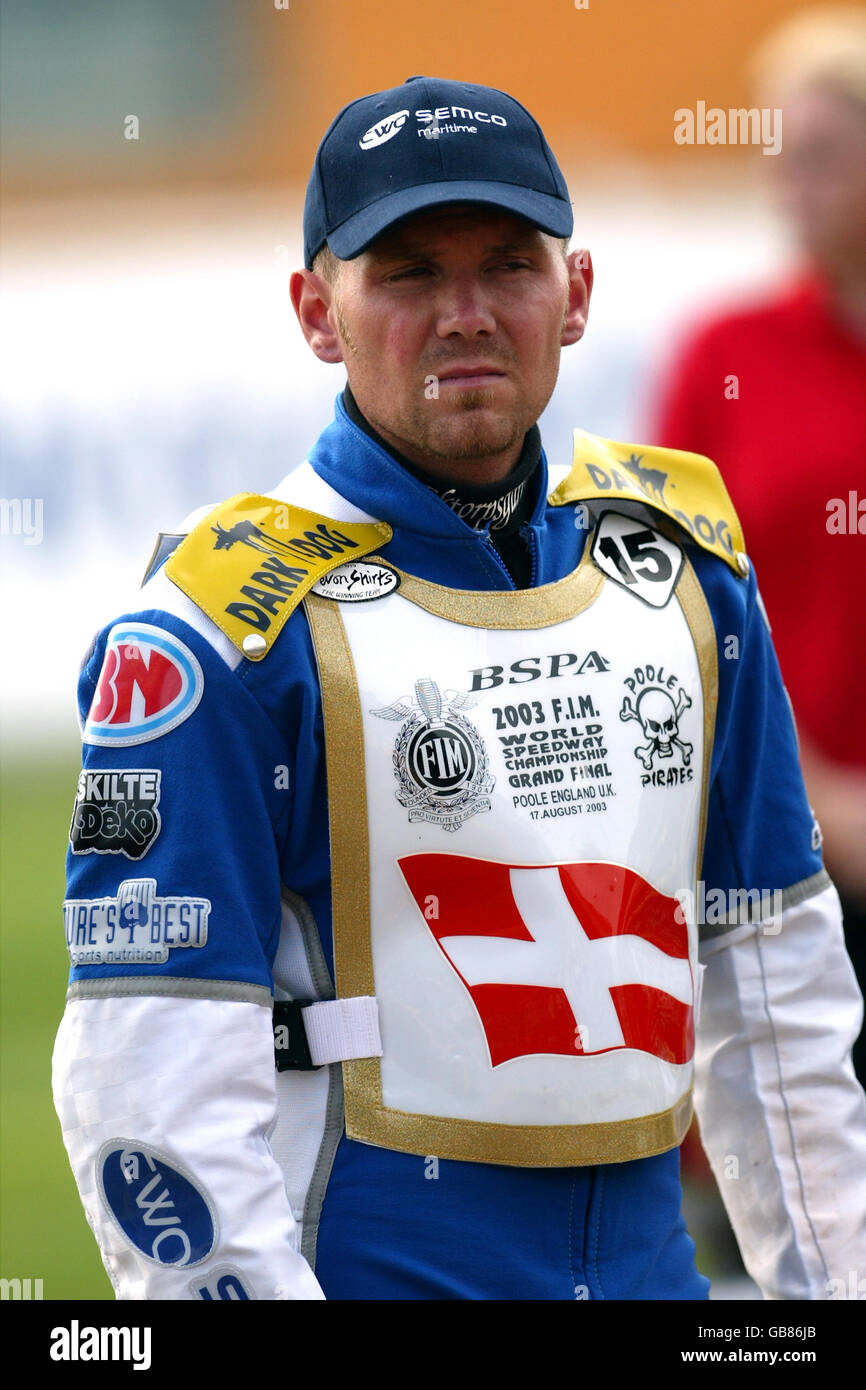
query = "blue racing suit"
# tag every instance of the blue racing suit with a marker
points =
(200, 848)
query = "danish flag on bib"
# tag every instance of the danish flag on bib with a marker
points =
(568, 958)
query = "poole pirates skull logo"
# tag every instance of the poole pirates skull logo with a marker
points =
(439, 759)
(659, 718)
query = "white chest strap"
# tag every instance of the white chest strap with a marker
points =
(333, 1030)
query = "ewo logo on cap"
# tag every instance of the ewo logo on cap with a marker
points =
(383, 130)
(353, 196)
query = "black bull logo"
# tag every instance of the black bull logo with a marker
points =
(649, 480)
(652, 482)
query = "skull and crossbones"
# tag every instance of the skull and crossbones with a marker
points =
(659, 718)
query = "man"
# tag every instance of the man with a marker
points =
(441, 754)
(799, 471)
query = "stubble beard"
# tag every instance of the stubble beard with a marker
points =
(446, 437)
(459, 436)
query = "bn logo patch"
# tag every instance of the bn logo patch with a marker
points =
(439, 760)
(149, 683)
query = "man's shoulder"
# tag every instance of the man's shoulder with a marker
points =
(241, 568)
(687, 489)
(247, 563)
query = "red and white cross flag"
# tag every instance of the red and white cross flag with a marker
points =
(568, 958)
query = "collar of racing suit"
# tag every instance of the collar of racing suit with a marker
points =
(506, 504)
(501, 508)
(430, 539)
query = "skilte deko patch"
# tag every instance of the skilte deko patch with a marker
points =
(116, 812)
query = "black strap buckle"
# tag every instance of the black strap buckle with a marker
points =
(291, 1049)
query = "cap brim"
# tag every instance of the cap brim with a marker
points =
(353, 236)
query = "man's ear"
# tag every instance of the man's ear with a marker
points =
(312, 301)
(580, 276)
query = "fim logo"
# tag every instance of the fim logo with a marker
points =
(439, 760)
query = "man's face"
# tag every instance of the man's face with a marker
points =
(450, 326)
(820, 176)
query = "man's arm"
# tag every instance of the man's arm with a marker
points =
(164, 1074)
(782, 1117)
(838, 793)
(184, 1087)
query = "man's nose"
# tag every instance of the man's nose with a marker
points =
(464, 307)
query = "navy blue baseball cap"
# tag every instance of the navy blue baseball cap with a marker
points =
(423, 144)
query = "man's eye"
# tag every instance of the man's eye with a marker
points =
(411, 272)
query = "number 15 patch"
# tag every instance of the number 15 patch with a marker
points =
(637, 557)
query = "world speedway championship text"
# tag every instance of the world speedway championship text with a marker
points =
(769, 1356)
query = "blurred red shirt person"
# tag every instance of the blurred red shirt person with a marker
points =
(775, 393)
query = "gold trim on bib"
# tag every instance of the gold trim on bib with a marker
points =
(697, 614)
(509, 608)
(367, 1118)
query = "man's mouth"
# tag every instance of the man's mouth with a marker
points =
(473, 374)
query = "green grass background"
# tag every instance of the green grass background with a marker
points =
(43, 1230)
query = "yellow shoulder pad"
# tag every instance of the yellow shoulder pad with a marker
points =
(250, 561)
(688, 488)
